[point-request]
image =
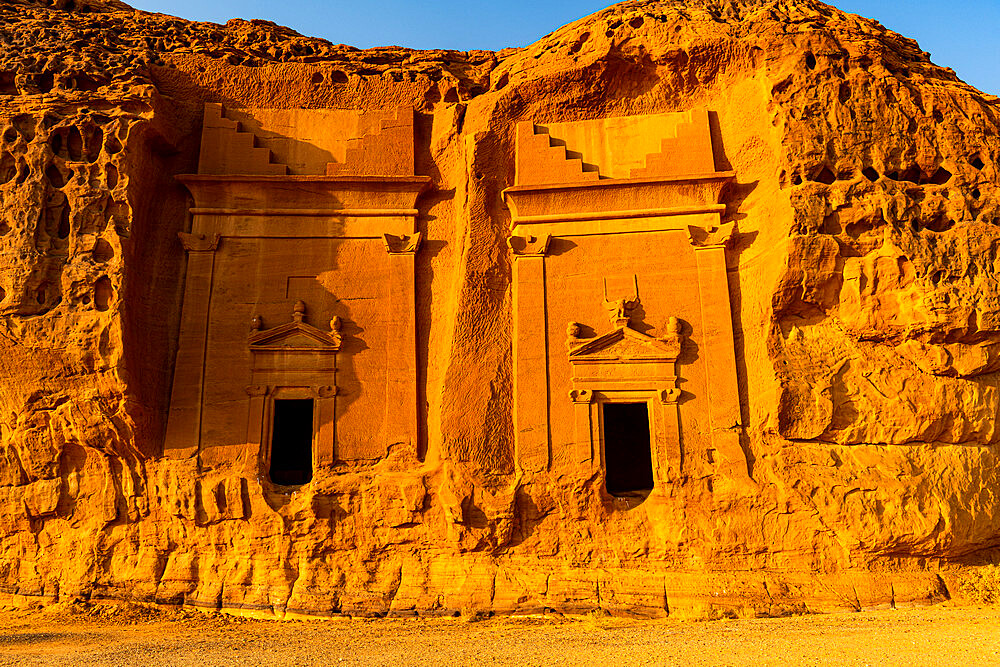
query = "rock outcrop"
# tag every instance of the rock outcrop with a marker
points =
(864, 282)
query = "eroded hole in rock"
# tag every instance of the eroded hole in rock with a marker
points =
(103, 292)
(40, 293)
(831, 225)
(912, 174)
(859, 227)
(87, 83)
(336, 76)
(870, 174)
(8, 167)
(10, 136)
(977, 162)
(502, 81)
(94, 144)
(825, 176)
(74, 144)
(844, 93)
(938, 116)
(45, 81)
(57, 144)
(940, 177)
(25, 125)
(3, 294)
(627, 455)
(975, 193)
(111, 175)
(55, 176)
(112, 145)
(102, 251)
(939, 223)
(636, 22)
(62, 230)
(23, 170)
(317, 78)
(7, 85)
(4, 228)
(810, 61)
(291, 441)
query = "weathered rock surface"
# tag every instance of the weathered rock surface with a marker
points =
(865, 298)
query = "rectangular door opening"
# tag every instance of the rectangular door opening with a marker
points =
(627, 453)
(291, 441)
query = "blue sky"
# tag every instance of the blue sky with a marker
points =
(962, 34)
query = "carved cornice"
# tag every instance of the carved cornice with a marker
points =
(589, 203)
(320, 196)
(529, 246)
(199, 242)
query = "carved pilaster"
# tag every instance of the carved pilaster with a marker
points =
(184, 419)
(401, 373)
(531, 405)
(720, 346)
(582, 450)
(257, 415)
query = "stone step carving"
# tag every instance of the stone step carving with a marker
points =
(228, 149)
(385, 147)
(687, 152)
(541, 162)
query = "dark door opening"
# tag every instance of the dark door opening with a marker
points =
(291, 441)
(626, 449)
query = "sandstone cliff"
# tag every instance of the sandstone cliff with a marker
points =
(864, 285)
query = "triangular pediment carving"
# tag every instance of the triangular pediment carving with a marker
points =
(625, 343)
(294, 335)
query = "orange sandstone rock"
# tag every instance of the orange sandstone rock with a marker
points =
(295, 327)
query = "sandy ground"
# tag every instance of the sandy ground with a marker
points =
(129, 635)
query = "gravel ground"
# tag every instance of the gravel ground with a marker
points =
(131, 635)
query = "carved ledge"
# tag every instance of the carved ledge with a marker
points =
(402, 244)
(529, 246)
(713, 237)
(581, 395)
(199, 242)
(257, 390)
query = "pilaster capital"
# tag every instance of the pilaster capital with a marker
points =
(326, 391)
(529, 246)
(199, 242)
(716, 236)
(581, 395)
(670, 396)
(402, 244)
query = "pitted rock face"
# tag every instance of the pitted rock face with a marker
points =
(862, 281)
